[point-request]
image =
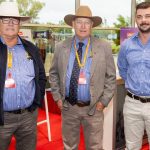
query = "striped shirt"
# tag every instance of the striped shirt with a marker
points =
(83, 89)
(22, 72)
(134, 65)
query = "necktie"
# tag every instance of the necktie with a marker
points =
(73, 90)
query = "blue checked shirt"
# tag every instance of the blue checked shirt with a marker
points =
(23, 73)
(83, 89)
(134, 65)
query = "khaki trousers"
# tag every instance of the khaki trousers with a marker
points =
(73, 118)
(136, 119)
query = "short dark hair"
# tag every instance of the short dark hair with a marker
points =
(143, 5)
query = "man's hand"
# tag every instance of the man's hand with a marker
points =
(100, 106)
(59, 104)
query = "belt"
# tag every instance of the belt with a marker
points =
(141, 99)
(82, 104)
(79, 103)
(19, 111)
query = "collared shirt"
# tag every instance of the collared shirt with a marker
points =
(83, 89)
(23, 74)
(134, 65)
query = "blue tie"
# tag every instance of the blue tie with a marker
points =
(73, 90)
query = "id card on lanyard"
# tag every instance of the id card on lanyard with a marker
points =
(9, 82)
(82, 78)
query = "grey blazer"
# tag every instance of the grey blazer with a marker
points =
(103, 74)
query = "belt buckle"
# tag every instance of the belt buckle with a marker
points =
(132, 96)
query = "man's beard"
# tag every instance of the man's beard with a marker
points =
(144, 30)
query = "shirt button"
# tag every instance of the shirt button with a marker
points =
(142, 71)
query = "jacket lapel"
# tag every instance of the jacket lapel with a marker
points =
(66, 53)
(95, 56)
(3, 63)
(66, 50)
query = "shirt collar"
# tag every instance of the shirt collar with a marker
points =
(136, 36)
(85, 41)
(18, 42)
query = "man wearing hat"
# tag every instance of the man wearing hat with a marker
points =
(22, 82)
(82, 79)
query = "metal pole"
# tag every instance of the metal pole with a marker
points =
(133, 6)
(77, 4)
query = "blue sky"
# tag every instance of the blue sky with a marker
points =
(55, 10)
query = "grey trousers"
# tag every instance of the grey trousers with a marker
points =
(136, 119)
(22, 127)
(73, 118)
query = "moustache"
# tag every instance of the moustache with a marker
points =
(142, 24)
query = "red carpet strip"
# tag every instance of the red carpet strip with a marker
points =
(42, 138)
(56, 143)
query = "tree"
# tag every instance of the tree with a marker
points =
(2, 1)
(30, 8)
(121, 22)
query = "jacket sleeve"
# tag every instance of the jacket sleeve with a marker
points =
(54, 76)
(42, 76)
(110, 77)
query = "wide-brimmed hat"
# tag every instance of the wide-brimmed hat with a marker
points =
(83, 12)
(10, 9)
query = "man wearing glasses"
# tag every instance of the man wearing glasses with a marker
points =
(7, 20)
(22, 82)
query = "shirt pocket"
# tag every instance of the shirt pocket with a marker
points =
(29, 68)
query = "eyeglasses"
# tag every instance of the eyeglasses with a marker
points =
(14, 21)
(80, 22)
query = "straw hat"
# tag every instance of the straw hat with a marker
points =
(10, 9)
(84, 12)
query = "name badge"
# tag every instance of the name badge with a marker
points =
(82, 78)
(10, 82)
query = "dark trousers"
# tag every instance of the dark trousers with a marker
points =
(23, 127)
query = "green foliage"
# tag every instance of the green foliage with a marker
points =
(30, 8)
(101, 33)
(121, 22)
(2, 1)
(115, 48)
(62, 30)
